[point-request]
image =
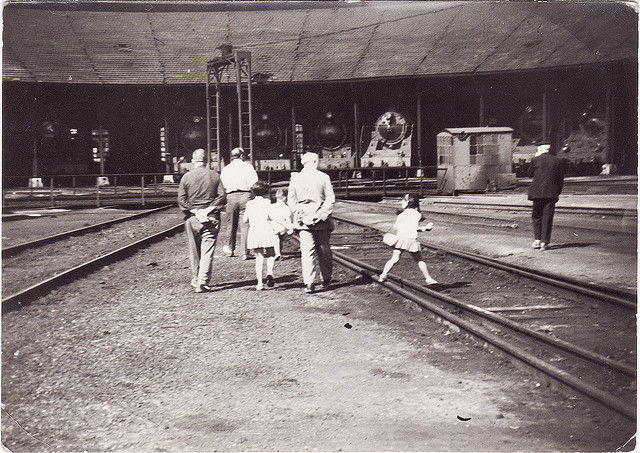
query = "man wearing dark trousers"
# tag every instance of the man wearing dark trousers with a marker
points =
(547, 171)
(237, 177)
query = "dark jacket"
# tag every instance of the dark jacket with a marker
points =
(201, 188)
(547, 172)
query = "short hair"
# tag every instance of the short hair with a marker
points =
(281, 193)
(260, 188)
(413, 201)
(308, 157)
(237, 152)
(198, 155)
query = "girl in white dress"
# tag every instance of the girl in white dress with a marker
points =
(281, 219)
(261, 237)
(407, 226)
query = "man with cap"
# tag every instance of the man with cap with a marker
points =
(201, 196)
(237, 177)
(311, 199)
(547, 171)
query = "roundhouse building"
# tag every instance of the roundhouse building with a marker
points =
(131, 79)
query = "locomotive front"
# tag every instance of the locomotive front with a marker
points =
(391, 142)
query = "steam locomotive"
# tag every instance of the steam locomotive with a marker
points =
(389, 143)
(271, 150)
(331, 136)
(583, 142)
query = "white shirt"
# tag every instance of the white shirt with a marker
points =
(238, 175)
(407, 223)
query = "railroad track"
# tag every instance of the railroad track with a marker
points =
(509, 221)
(34, 268)
(566, 335)
(26, 295)
(619, 212)
(15, 249)
(578, 335)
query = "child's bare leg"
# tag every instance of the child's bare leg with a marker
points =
(423, 268)
(259, 262)
(277, 247)
(270, 262)
(395, 257)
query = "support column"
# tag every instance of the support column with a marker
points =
(609, 120)
(294, 140)
(355, 145)
(545, 116)
(419, 131)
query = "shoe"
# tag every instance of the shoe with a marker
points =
(382, 279)
(325, 284)
(536, 244)
(431, 282)
(194, 282)
(309, 288)
(259, 287)
(270, 282)
(203, 289)
(227, 250)
(543, 246)
(247, 257)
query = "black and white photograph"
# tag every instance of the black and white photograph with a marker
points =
(328, 226)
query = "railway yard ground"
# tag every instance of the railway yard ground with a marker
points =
(129, 358)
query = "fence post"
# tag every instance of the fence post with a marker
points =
(97, 192)
(346, 184)
(269, 182)
(51, 192)
(115, 186)
(73, 183)
(384, 182)
(142, 189)
(155, 185)
(421, 173)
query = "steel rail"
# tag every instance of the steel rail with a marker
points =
(608, 400)
(506, 223)
(14, 249)
(21, 298)
(486, 314)
(616, 296)
(574, 209)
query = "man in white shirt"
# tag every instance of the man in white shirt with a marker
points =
(311, 198)
(237, 178)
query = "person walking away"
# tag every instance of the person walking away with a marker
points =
(407, 226)
(237, 177)
(281, 219)
(201, 196)
(311, 198)
(547, 171)
(260, 236)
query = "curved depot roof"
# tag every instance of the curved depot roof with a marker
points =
(170, 42)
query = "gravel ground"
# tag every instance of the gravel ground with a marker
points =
(130, 359)
(49, 259)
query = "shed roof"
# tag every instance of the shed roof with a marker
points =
(170, 42)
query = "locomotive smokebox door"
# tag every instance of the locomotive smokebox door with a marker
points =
(331, 136)
(475, 159)
(390, 144)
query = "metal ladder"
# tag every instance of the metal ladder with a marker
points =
(232, 65)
